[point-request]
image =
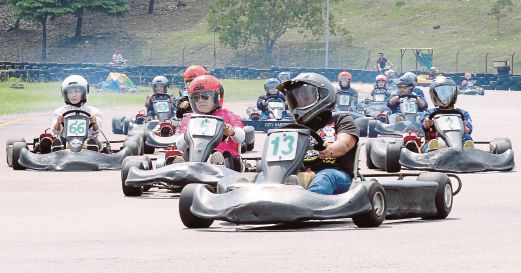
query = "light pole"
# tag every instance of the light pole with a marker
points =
(327, 35)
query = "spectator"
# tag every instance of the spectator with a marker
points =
(382, 64)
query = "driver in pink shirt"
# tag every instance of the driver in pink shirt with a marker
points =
(206, 96)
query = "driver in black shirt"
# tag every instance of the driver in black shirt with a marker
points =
(311, 99)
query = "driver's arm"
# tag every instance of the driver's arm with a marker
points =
(147, 101)
(422, 103)
(56, 124)
(343, 144)
(393, 100)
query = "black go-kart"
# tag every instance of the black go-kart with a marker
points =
(392, 155)
(264, 198)
(376, 107)
(409, 120)
(74, 156)
(278, 116)
(471, 89)
(202, 135)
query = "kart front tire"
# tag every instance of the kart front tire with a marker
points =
(17, 150)
(250, 146)
(127, 190)
(392, 157)
(500, 145)
(444, 194)
(185, 203)
(371, 131)
(368, 161)
(376, 216)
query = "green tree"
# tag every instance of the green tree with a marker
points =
(499, 10)
(40, 11)
(111, 7)
(261, 23)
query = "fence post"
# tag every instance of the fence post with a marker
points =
(512, 67)
(486, 63)
(457, 61)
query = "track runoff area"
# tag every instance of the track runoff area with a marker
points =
(81, 222)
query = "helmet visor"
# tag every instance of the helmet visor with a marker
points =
(445, 95)
(302, 96)
(271, 88)
(75, 92)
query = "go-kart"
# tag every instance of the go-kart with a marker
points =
(471, 89)
(278, 116)
(202, 135)
(409, 120)
(73, 157)
(345, 105)
(265, 198)
(376, 107)
(391, 156)
(162, 108)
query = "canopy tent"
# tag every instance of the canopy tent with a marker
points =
(117, 82)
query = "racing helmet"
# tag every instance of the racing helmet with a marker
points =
(193, 71)
(344, 77)
(206, 87)
(443, 92)
(75, 83)
(380, 78)
(284, 76)
(411, 76)
(405, 81)
(310, 97)
(467, 76)
(434, 69)
(270, 86)
(160, 80)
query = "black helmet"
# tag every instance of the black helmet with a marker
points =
(405, 81)
(411, 76)
(311, 98)
(443, 91)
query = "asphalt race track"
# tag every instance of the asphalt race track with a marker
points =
(81, 222)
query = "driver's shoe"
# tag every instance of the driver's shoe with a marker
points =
(92, 145)
(412, 146)
(216, 158)
(57, 145)
(45, 145)
(433, 145)
(468, 144)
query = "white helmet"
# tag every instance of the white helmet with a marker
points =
(159, 80)
(75, 82)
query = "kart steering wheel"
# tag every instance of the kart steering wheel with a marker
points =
(152, 97)
(77, 111)
(448, 111)
(408, 96)
(320, 143)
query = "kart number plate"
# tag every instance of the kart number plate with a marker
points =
(449, 123)
(282, 146)
(379, 97)
(276, 104)
(344, 100)
(411, 107)
(162, 107)
(76, 127)
(203, 126)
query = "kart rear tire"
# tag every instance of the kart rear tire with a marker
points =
(444, 194)
(127, 190)
(250, 146)
(392, 157)
(244, 148)
(376, 216)
(362, 124)
(148, 149)
(368, 160)
(185, 203)
(17, 150)
(117, 127)
(500, 145)
(371, 131)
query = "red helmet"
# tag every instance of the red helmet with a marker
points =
(468, 75)
(204, 87)
(344, 74)
(193, 71)
(381, 78)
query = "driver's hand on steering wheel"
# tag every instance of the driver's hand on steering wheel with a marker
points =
(264, 102)
(327, 152)
(427, 123)
(394, 100)
(59, 122)
(93, 123)
(184, 105)
(228, 130)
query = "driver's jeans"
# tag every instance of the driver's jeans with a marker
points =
(330, 181)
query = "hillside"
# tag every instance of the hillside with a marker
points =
(376, 25)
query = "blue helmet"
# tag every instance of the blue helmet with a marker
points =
(271, 85)
(284, 76)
